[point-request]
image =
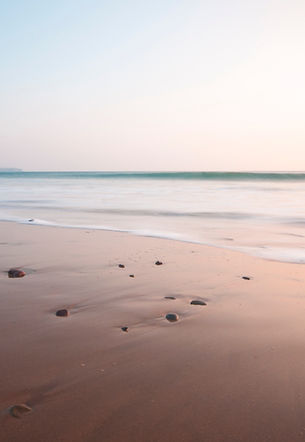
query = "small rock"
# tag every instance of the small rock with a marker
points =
(124, 329)
(158, 263)
(172, 317)
(169, 297)
(121, 266)
(31, 220)
(198, 302)
(16, 273)
(131, 276)
(247, 278)
(62, 313)
(20, 410)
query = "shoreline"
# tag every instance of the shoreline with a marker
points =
(239, 249)
(231, 370)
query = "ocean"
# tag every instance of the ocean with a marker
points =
(262, 214)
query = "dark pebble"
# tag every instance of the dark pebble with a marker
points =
(247, 278)
(31, 220)
(62, 313)
(198, 302)
(172, 317)
(124, 329)
(158, 263)
(121, 266)
(20, 410)
(169, 297)
(16, 273)
(131, 276)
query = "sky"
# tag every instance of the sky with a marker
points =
(162, 85)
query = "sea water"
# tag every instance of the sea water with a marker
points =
(262, 214)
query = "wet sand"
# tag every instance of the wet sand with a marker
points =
(230, 370)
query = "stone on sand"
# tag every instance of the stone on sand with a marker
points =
(16, 273)
(124, 329)
(198, 302)
(158, 263)
(62, 313)
(121, 266)
(169, 297)
(172, 317)
(247, 278)
(20, 410)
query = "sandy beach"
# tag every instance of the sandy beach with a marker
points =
(231, 370)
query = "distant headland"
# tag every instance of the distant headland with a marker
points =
(10, 169)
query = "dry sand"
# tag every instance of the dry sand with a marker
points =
(230, 371)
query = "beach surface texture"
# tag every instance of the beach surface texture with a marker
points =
(112, 366)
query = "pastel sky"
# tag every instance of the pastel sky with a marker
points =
(152, 85)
